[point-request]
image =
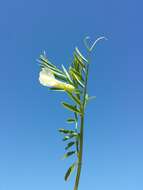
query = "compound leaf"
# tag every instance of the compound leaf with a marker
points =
(80, 54)
(70, 153)
(70, 144)
(71, 108)
(71, 120)
(69, 171)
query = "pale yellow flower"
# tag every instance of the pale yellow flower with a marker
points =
(47, 78)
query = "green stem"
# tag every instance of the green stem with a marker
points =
(81, 131)
(80, 155)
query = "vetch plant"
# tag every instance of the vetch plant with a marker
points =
(73, 81)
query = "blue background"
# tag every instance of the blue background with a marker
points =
(30, 146)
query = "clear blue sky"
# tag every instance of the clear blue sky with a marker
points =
(30, 146)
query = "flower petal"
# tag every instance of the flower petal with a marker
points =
(47, 78)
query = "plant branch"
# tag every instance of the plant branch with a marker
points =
(82, 129)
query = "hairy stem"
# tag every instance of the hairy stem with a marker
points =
(81, 132)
